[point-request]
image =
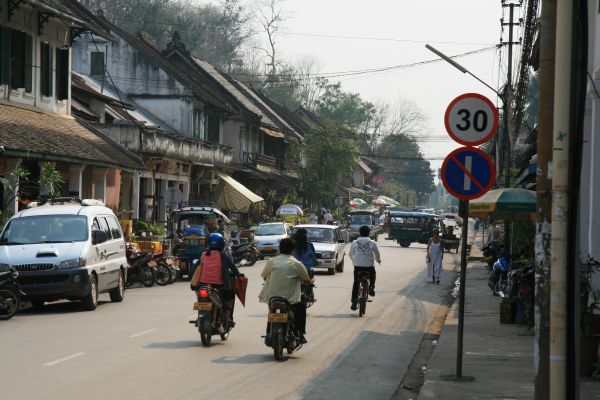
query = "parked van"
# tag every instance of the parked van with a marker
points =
(66, 249)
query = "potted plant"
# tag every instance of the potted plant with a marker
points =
(589, 303)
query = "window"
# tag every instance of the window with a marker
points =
(104, 227)
(45, 229)
(16, 55)
(97, 63)
(114, 226)
(46, 69)
(214, 128)
(62, 74)
(198, 127)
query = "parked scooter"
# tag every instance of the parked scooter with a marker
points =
(498, 279)
(281, 330)
(212, 315)
(490, 251)
(10, 294)
(139, 269)
(245, 254)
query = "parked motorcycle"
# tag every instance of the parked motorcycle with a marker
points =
(520, 291)
(281, 330)
(10, 294)
(212, 317)
(140, 269)
(498, 279)
(245, 254)
(491, 251)
(162, 272)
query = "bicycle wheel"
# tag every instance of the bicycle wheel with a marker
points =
(362, 297)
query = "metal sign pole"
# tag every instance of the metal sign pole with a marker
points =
(464, 206)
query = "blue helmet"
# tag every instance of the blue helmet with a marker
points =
(215, 241)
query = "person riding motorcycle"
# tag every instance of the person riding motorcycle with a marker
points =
(215, 268)
(283, 275)
(363, 253)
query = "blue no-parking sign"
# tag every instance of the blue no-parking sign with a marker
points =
(468, 173)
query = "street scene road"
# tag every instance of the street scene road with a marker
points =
(144, 348)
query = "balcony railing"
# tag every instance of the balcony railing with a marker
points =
(271, 164)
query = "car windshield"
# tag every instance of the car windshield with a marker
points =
(45, 229)
(320, 235)
(361, 220)
(270, 230)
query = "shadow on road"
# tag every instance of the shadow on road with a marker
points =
(349, 314)
(184, 344)
(249, 359)
(62, 307)
(370, 368)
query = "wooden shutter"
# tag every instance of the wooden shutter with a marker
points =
(17, 67)
(214, 128)
(50, 71)
(28, 64)
(5, 56)
(62, 74)
(97, 63)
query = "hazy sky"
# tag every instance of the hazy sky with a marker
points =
(432, 86)
(453, 27)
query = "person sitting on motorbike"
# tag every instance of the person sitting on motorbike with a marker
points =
(363, 253)
(283, 276)
(305, 253)
(215, 268)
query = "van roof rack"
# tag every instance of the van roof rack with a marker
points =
(60, 200)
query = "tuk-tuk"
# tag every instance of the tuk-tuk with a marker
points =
(190, 226)
(407, 227)
(358, 218)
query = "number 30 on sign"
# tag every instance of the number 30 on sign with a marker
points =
(471, 119)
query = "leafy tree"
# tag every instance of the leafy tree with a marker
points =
(50, 180)
(343, 108)
(330, 155)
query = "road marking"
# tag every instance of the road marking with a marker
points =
(142, 333)
(62, 360)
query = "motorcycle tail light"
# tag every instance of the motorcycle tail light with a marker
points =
(203, 293)
(278, 305)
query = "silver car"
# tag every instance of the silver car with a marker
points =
(268, 236)
(330, 246)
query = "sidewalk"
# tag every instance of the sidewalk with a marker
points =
(498, 357)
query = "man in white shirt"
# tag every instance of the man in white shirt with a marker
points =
(363, 253)
(327, 218)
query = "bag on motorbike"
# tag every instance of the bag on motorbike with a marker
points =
(239, 285)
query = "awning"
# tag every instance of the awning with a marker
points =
(272, 133)
(233, 196)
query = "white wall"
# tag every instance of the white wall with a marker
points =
(56, 34)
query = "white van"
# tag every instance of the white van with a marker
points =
(66, 249)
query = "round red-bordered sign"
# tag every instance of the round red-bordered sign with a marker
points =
(471, 119)
(481, 173)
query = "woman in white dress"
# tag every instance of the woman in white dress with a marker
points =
(435, 254)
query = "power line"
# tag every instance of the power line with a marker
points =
(380, 39)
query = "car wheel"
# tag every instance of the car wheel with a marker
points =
(340, 266)
(90, 301)
(331, 271)
(117, 294)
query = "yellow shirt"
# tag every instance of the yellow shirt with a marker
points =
(283, 275)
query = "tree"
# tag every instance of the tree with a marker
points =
(343, 108)
(271, 17)
(50, 180)
(330, 154)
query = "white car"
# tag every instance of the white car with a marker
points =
(267, 237)
(66, 249)
(330, 245)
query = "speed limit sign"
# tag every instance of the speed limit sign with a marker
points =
(471, 119)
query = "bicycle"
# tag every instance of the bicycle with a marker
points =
(363, 292)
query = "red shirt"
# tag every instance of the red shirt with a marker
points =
(211, 268)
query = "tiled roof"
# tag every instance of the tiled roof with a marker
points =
(28, 131)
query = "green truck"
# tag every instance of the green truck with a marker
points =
(408, 227)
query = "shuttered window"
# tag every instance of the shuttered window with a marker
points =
(214, 128)
(28, 63)
(46, 69)
(5, 41)
(62, 74)
(97, 63)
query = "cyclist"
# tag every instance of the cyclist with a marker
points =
(364, 253)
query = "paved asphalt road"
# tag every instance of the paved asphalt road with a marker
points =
(144, 348)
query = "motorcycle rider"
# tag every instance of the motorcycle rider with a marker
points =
(215, 268)
(363, 253)
(283, 275)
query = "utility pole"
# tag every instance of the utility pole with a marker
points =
(544, 198)
(507, 106)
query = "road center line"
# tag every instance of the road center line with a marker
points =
(62, 360)
(142, 333)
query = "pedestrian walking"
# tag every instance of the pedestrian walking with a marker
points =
(435, 255)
